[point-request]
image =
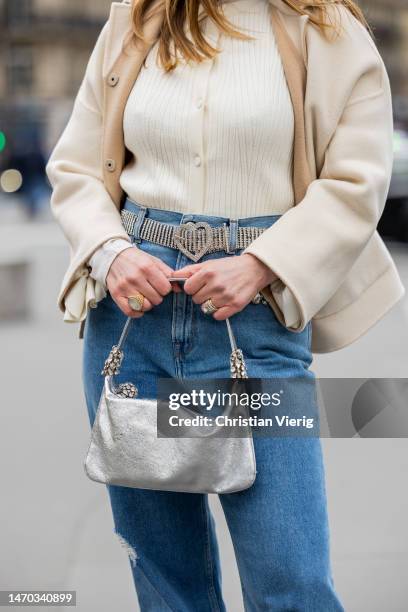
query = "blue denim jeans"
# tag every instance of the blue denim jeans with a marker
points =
(279, 526)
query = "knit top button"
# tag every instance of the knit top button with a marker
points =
(197, 160)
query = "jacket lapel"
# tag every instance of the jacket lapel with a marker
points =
(122, 63)
(296, 74)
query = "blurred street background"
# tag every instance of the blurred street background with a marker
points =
(56, 530)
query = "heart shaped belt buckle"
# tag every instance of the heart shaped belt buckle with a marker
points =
(186, 234)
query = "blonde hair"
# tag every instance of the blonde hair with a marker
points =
(179, 12)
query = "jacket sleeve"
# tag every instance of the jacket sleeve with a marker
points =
(289, 313)
(104, 256)
(313, 245)
(79, 202)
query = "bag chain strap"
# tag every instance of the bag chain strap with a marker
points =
(129, 390)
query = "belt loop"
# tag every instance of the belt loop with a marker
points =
(231, 245)
(138, 224)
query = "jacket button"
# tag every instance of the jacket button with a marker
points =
(113, 79)
(110, 165)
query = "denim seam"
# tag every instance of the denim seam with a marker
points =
(173, 334)
(178, 365)
(154, 588)
(209, 566)
(245, 599)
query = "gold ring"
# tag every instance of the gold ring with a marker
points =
(209, 307)
(136, 301)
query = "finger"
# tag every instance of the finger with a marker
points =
(182, 273)
(147, 305)
(188, 270)
(121, 296)
(143, 286)
(159, 281)
(205, 293)
(157, 275)
(224, 312)
(127, 310)
(194, 283)
(217, 303)
(167, 270)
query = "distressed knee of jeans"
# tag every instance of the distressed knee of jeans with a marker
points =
(129, 549)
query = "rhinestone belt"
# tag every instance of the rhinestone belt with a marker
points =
(194, 239)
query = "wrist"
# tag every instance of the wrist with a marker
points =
(265, 275)
(114, 257)
(103, 258)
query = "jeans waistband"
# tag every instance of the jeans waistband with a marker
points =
(176, 218)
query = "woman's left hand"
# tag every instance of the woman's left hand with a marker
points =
(230, 282)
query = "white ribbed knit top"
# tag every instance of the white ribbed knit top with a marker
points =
(216, 137)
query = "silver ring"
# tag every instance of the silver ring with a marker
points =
(209, 307)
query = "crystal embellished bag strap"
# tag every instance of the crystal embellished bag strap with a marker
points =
(115, 358)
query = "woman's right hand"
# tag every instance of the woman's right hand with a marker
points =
(134, 270)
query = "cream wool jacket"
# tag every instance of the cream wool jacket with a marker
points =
(326, 248)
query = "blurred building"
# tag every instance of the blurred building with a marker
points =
(44, 45)
(389, 20)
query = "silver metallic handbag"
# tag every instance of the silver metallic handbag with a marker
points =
(126, 450)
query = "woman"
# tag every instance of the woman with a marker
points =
(273, 140)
